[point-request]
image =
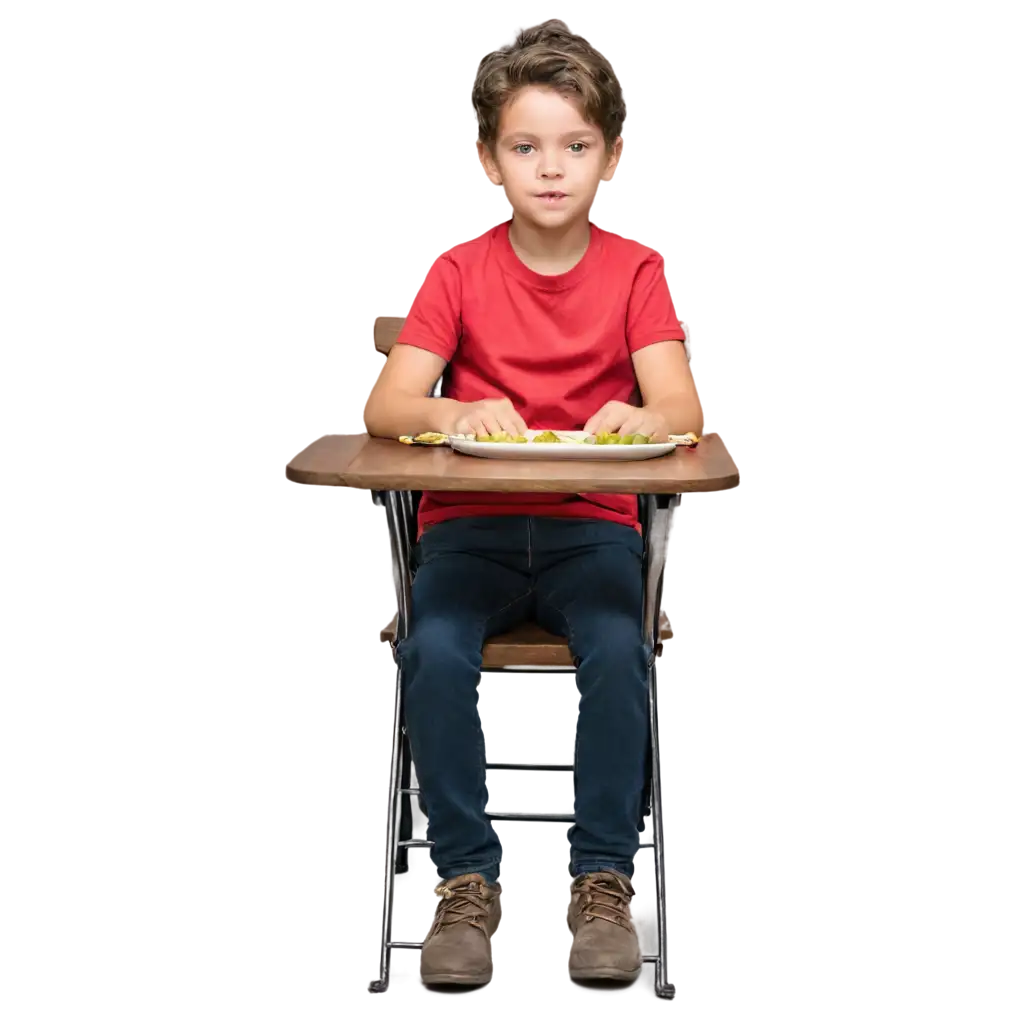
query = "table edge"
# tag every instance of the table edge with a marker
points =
(364, 481)
(316, 478)
(715, 481)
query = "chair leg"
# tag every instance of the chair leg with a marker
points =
(396, 822)
(399, 826)
(661, 984)
(399, 510)
(404, 829)
(377, 985)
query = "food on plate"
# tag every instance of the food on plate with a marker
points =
(547, 437)
(550, 437)
(430, 437)
(688, 440)
(604, 437)
(502, 437)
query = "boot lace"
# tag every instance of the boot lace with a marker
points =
(606, 897)
(463, 904)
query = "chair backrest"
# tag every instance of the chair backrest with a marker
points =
(387, 328)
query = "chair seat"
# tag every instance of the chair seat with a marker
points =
(528, 645)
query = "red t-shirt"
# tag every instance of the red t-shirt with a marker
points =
(558, 346)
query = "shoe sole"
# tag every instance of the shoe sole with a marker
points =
(456, 979)
(604, 973)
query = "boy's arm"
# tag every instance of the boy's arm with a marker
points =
(655, 338)
(668, 388)
(400, 403)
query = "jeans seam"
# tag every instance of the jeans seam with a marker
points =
(490, 618)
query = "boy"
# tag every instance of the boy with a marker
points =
(543, 322)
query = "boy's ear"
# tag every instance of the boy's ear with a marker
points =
(613, 160)
(490, 165)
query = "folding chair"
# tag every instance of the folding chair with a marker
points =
(528, 648)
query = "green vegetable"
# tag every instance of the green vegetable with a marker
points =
(502, 437)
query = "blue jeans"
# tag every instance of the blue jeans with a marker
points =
(578, 578)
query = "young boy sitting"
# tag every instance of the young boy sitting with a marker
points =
(544, 322)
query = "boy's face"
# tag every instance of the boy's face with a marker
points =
(548, 159)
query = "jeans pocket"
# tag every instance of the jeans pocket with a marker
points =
(435, 540)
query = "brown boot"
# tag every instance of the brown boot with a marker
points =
(457, 950)
(605, 944)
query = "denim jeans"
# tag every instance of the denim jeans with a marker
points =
(581, 579)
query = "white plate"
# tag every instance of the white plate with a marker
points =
(570, 449)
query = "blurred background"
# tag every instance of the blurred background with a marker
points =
(205, 206)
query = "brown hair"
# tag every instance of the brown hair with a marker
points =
(549, 55)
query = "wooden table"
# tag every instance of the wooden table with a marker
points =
(372, 463)
(395, 471)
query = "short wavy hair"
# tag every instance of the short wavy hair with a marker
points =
(552, 56)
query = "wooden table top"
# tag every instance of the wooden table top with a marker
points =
(373, 463)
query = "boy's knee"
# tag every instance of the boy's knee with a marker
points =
(614, 640)
(439, 647)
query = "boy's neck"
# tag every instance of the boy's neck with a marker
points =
(549, 250)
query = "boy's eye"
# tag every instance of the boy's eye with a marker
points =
(525, 147)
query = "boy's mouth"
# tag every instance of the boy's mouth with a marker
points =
(552, 196)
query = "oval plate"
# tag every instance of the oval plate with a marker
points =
(571, 448)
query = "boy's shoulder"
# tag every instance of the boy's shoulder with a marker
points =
(626, 250)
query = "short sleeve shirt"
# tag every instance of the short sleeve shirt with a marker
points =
(558, 346)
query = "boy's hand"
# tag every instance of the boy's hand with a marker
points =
(621, 418)
(488, 416)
